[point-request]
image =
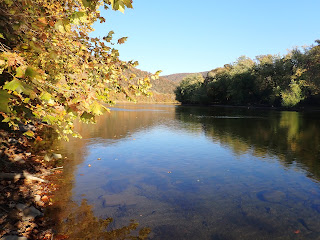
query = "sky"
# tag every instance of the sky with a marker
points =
(193, 36)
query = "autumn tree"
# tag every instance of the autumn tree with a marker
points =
(52, 71)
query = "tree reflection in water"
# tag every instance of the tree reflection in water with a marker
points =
(79, 222)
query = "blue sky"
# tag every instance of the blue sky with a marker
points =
(193, 36)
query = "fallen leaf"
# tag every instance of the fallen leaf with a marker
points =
(39, 139)
(45, 198)
(61, 237)
(297, 231)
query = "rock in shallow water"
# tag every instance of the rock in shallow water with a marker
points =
(272, 196)
(21, 206)
(13, 237)
(31, 213)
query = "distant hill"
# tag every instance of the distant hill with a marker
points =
(161, 85)
(162, 89)
(177, 77)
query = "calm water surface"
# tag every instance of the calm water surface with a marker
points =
(194, 173)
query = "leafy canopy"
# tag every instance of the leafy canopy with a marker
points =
(51, 71)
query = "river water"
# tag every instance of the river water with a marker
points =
(192, 173)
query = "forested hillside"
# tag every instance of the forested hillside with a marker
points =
(177, 77)
(161, 89)
(159, 85)
(268, 80)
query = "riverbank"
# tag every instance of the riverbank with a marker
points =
(26, 188)
(296, 109)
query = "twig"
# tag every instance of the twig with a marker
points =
(56, 168)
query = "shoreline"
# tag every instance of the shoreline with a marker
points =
(296, 109)
(26, 188)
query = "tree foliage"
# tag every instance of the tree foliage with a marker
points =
(270, 80)
(190, 89)
(52, 71)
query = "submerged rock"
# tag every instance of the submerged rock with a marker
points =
(272, 196)
(31, 213)
(21, 206)
(56, 156)
(13, 237)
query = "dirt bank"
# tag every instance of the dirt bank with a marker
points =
(25, 187)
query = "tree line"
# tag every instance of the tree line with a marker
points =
(268, 80)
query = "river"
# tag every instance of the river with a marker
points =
(192, 173)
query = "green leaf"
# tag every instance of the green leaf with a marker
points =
(29, 133)
(50, 119)
(97, 109)
(18, 86)
(78, 17)
(120, 4)
(4, 107)
(128, 3)
(86, 117)
(158, 72)
(109, 37)
(45, 96)
(19, 72)
(7, 119)
(14, 85)
(4, 100)
(89, 4)
(30, 72)
(66, 25)
(1, 36)
(85, 3)
(9, 2)
(5, 95)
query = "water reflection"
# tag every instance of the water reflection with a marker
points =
(292, 137)
(79, 222)
(197, 173)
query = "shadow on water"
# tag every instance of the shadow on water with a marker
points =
(293, 137)
(193, 173)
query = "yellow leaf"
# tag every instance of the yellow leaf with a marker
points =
(29, 133)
